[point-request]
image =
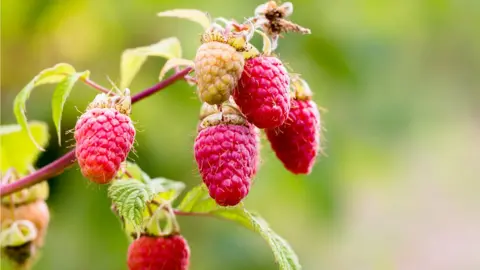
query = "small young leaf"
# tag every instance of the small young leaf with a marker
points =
(130, 197)
(133, 59)
(17, 150)
(135, 172)
(173, 63)
(60, 96)
(194, 198)
(197, 16)
(166, 190)
(267, 43)
(198, 201)
(51, 75)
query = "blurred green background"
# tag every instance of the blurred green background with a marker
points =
(398, 187)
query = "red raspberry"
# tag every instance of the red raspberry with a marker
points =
(262, 92)
(104, 138)
(226, 152)
(158, 253)
(296, 142)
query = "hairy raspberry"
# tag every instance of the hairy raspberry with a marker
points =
(297, 142)
(218, 66)
(104, 138)
(226, 152)
(36, 212)
(159, 253)
(262, 92)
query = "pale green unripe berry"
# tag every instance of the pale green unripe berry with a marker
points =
(218, 67)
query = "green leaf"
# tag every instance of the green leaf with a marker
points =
(17, 149)
(194, 15)
(283, 252)
(166, 190)
(135, 171)
(133, 59)
(50, 75)
(130, 197)
(198, 201)
(60, 97)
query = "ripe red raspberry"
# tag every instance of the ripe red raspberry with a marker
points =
(226, 151)
(218, 66)
(262, 92)
(297, 142)
(104, 137)
(158, 253)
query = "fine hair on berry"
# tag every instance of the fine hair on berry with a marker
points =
(227, 158)
(159, 253)
(297, 142)
(104, 137)
(262, 93)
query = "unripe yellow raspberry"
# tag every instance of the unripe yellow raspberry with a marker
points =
(218, 67)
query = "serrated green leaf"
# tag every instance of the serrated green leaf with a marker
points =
(17, 149)
(198, 201)
(130, 197)
(166, 190)
(60, 95)
(173, 63)
(283, 252)
(133, 59)
(194, 15)
(50, 75)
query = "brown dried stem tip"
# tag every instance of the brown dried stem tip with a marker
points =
(272, 18)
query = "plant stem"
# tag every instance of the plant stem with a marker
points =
(180, 213)
(40, 175)
(95, 85)
(59, 165)
(159, 86)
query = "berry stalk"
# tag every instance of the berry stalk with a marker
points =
(60, 164)
(95, 85)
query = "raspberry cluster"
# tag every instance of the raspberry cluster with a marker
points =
(251, 91)
(242, 91)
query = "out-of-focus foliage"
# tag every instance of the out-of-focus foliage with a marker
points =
(397, 189)
(55, 75)
(17, 149)
(198, 201)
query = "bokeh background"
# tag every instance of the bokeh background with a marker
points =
(398, 187)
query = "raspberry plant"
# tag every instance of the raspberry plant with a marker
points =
(242, 89)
